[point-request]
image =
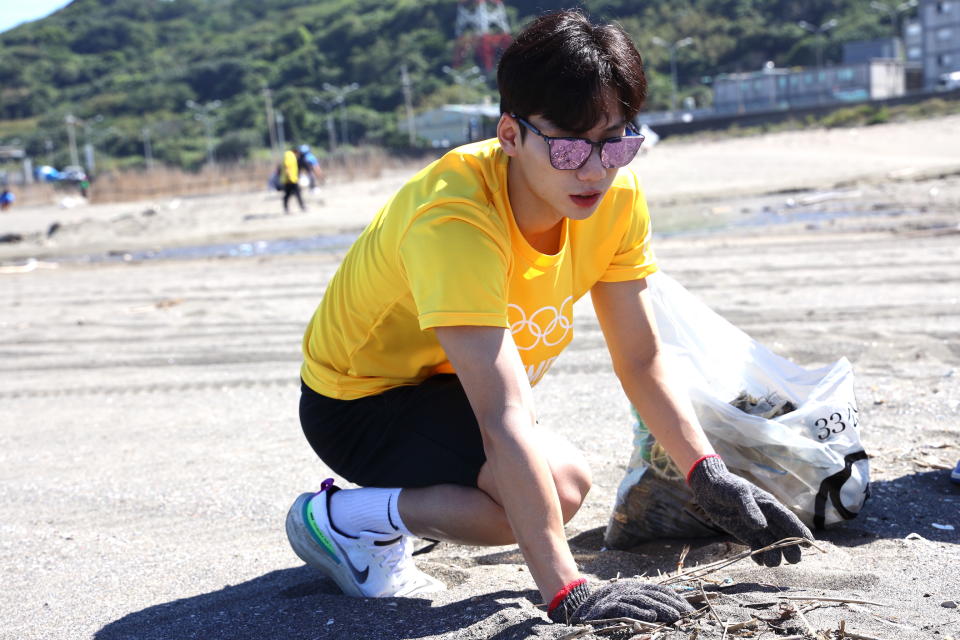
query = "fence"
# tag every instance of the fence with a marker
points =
(244, 177)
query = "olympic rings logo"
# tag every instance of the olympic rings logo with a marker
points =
(549, 325)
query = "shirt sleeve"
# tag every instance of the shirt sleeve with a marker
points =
(456, 271)
(634, 258)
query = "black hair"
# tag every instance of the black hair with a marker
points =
(560, 65)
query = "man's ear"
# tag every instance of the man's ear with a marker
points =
(508, 132)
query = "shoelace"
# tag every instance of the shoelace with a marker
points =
(407, 579)
(394, 556)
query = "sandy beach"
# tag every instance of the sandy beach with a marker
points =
(149, 445)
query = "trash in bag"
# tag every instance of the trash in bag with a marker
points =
(789, 430)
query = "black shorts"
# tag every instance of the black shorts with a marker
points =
(412, 436)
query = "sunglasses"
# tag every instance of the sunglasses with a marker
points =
(572, 153)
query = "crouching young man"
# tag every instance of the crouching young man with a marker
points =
(419, 360)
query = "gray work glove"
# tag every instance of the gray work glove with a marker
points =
(747, 512)
(620, 599)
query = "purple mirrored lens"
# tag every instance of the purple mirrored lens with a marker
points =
(569, 153)
(619, 153)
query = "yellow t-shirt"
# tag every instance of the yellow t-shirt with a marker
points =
(445, 251)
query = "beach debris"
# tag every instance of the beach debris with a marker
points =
(848, 635)
(841, 600)
(887, 620)
(942, 527)
(949, 604)
(71, 202)
(31, 264)
(770, 406)
(914, 536)
(922, 457)
(785, 616)
(906, 172)
(165, 303)
(934, 230)
(11, 238)
(827, 196)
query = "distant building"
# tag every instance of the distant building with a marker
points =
(913, 42)
(913, 51)
(783, 89)
(15, 154)
(940, 20)
(861, 51)
(455, 124)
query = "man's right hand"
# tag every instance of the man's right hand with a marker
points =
(628, 598)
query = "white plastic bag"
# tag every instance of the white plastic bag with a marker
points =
(810, 458)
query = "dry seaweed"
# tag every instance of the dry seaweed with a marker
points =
(788, 619)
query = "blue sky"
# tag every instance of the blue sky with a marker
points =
(14, 12)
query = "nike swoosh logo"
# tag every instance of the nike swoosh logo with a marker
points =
(359, 576)
(389, 519)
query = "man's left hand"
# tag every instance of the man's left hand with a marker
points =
(747, 512)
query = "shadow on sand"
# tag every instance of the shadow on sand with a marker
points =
(296, 603)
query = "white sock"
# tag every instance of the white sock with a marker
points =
(367, 509)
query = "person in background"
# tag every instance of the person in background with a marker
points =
(290, 178)
(6, 199)
(311, 166)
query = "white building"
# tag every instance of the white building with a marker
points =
(783, 89)
(454, 124)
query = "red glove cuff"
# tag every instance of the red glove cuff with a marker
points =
(699, 460)
(563, 593)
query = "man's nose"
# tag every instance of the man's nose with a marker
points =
(592, 170)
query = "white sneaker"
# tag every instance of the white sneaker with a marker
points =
(370, 565)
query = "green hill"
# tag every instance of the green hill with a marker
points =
(123, 65)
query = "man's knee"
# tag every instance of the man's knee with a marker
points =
(571, 475)
(569, 468)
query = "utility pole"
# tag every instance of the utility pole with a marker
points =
(331, 129)
(280, 137)
(71, 121)
(88, 153)
(268, 98)
(672, 48)
(471, 76)
(894, 10)
(204, 113)
(339, 97)
(818, 34)
(408, 101)
(89, 159)
(147, 149)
